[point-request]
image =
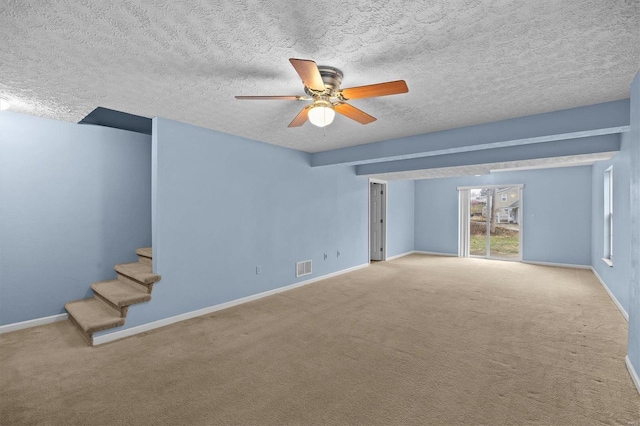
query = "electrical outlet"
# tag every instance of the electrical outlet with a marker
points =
(258, 270)
(338, 253)
(325, 256)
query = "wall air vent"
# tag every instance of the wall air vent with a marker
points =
(303, 268)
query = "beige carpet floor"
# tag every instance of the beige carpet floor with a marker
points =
(418, 340)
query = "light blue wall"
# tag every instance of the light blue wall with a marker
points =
(436, 215)
(400, 217)
(616, 277)
(74, 201)
(634, 284)
(556, 209)
(225, 204)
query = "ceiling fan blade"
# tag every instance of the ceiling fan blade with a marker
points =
(308, 71)
(374, 90)
(354, 113)
(272, 98)
(301, 118)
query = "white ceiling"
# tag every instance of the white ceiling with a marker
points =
(465, 62)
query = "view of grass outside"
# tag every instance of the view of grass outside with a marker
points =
(501, 246)
(505, 241)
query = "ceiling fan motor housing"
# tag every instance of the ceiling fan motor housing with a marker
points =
(331, 77)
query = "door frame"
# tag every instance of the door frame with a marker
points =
(385, 194)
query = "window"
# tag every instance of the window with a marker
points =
(608, 216)
(503, 198)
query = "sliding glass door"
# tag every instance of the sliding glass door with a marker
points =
(494, 222)
(504, 223)
(478, 222)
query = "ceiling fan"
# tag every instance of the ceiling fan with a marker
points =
(322, 85)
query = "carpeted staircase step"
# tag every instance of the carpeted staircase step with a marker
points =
(111, 299)
(139, 272)
(92, 315)
(145, 255)
(121, 293)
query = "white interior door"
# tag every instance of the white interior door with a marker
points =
(375, 221)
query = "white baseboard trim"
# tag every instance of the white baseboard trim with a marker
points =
(632, 372)
(611, 295)
(560, 265)
(396, 256)
(32, 323)
(435, 253)
(99, 340)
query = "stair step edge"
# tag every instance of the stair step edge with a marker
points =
(145, 252)
(138, 271)
(122, 311)
(136, 293)
(105, 319)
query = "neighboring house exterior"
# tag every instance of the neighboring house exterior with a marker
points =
(507, 205)
(478, 196)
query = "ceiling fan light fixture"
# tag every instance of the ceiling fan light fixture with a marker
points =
(321, 114)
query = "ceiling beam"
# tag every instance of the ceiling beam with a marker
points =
(558, 148)
(600, 119)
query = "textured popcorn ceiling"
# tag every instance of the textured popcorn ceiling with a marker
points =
(465, 62)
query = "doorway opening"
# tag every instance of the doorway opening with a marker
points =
(377, 220)
(491, 222)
